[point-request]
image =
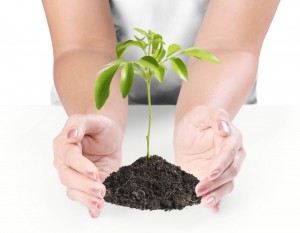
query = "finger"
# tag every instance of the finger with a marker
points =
(79, 125)
(75, 180)
(216, 208)
(73, 158)
(224, 156)
(218, 119)
(95, 205)
(207, 186)
(212, 199)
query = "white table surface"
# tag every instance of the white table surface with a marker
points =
(266, 195)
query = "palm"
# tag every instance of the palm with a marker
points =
(195, 147)
(104, 149)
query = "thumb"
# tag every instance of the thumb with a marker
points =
(78, 126)
(222, 128)
(208, 117)
(219, 122)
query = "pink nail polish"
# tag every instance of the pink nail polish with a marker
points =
(202, 189)
(93, 176)
(72, 133)
(214, 175)
(223, 126)
(98, 206)
(97, 192)
(92, 213)
(211, 200)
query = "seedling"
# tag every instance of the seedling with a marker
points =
(151, 64)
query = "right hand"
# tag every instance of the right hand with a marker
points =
(86, 151)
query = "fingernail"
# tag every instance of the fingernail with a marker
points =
(211, 200)
(92, 213)
(72, 133)
(98, 193)
(214, 175)
(93, 176)
(202, 189)
(223, 126)
(98, 206)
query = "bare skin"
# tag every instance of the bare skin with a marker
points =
(84, 40)
(220, 91)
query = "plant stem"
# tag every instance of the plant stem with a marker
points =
(148, 82)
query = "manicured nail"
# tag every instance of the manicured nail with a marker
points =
(98, 193)
(211, 200)
(214, 175)
(72, 134)
(98, 206)
(93, 176)
(223, 126)
(202, 190)
(92, 213)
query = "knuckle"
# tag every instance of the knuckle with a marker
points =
(68, 156)
(70, 195)
(68, 159)
(63, 177)
(234, 171)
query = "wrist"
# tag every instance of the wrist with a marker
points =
(200, 108)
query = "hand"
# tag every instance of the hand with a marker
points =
(208, 146)
(86, 151)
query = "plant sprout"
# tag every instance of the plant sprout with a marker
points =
(151, 64)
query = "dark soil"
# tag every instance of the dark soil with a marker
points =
(150, 185)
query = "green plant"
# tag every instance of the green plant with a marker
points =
(151, 64)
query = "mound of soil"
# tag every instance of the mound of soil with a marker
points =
(150, 185)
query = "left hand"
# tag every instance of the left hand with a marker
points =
(210, 147)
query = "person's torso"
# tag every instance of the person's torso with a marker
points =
(178, 21)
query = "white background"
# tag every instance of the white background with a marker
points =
(26, 55)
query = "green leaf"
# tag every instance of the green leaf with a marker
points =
(139, 39)
(160, 73)
(180, 68)
(163, 66)
(157, 37)
(155, 45)
(149, 62)
(141, 31)
(127, 78)
(115, 62)
(161, 55)
(134, 43)
(123, 46)
(120, 49)
(139, 71)
(103, 83)
(201, 54)
(173, 48)
(144, 44)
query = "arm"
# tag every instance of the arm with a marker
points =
(89, 147)
(83, 41)
(206, 143)
(234, 31)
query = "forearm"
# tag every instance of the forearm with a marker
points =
(75, 73)
(226, 85)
